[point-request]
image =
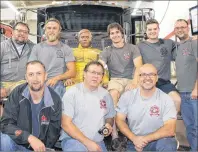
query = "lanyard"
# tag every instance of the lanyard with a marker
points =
(19, 55)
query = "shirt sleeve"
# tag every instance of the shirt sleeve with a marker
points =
(69, 56)
(104, 55)
(135, 51)
(33, 55)
(169, 111)
(123, 102)
(68, 102)
(112, 111)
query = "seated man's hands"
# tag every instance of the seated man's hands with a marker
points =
(36, 144)
(131, 86)
(52, 82)
(69, 82)
(3, 93)
(140, 142)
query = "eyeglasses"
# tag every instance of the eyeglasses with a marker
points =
(182, 27)
(22, 31)
(96, 73)
(150, 75)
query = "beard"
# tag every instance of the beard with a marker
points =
(35, 89)
(146, 86)
(19, 42)
(52, 38)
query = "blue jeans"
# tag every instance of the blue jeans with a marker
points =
(75, 145)
(59, 88)
(164, 144)
(189, 114)
(7, 144)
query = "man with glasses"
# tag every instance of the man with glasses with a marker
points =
(151, 115)
(159, 52)
(56, 56)
(186, 72)
(87, 108)
(14, 56)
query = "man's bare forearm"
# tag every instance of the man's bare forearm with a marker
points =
(110, 121)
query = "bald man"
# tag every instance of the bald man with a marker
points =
(151, 115)
(83, 54)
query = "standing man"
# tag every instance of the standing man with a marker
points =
(159, 52)
(56, 56)
(32, 114)
(151, 115)
(14, 55)
(83, 55)
(186, 71)
(87, 108)
(122, 60)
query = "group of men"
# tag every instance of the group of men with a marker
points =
(139, 90)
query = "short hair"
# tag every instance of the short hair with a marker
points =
(94, 63)
(35, 62)
(180, 20)
(21, 23)
(53, 20)
(83, 31)
(152, 21)
(115, 25)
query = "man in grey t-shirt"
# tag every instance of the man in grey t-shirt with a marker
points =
(87, 108)
(56, 56)
(159, 52)
(122, 60)
(151, 115)
(186, 71)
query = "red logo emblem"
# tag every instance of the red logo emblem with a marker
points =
(43, 118)
(154, 111)
(103, 104)
(18, 132)
(127, 56)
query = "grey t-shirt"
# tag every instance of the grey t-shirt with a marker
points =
(120, 60)
(186, 65)
(88, 110)
(145, 116)
(159, 54)
(54, 57)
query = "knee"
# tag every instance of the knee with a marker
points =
(6, 142)
(166, 144)
(115, 94)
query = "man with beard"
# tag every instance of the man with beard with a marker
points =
(159, 52)
(14, 55)
(56, 56)
(150, 113)
(32, 115)
(186, 72)
(83, 54)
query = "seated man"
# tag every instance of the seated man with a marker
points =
(84, 54)
(87, 108)
(151, 115)
(56, 56)
(32, 114)
(14, 55)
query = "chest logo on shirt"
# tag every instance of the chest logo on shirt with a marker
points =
(103, 104)
(154, 111)
(59, 54)
(44, 120)
(185, 52)
(126, 56)
(163, 51)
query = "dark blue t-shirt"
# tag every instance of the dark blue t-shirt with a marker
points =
(36, 108)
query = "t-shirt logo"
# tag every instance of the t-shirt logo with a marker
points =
(44, 120)
(59, 54)
(185, 52)
(103, 104)
(126, 56)
(154, 111)
(163, 51)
